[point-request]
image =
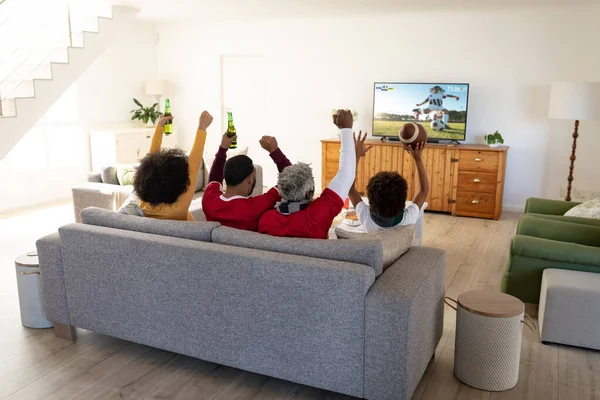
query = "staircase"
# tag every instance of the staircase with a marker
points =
(45, 45)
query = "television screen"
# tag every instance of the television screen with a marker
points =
(440, 107)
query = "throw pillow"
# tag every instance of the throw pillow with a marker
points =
(395, 241)
(109, 175)
(589, 209)
(126, 174)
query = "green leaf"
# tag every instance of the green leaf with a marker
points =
(133, 117)
(155, 105)
(138, 103)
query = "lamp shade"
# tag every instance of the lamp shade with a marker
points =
(155, 87)
(574, 101)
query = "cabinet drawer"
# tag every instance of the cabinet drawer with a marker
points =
(477, 181)
(475, 203)
(478, 160)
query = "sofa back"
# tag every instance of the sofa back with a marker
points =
(193, 230)
(294, 317)
(366, 252)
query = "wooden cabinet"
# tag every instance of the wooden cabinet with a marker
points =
(465, 179)
(123, 144)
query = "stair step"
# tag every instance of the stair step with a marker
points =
(17, 88)
(8, 108)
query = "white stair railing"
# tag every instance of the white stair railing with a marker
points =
(36, 33)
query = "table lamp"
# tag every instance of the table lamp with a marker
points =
(156, 88)
(574, 101)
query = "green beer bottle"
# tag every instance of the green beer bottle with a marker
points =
(169, 124)
(231, 129)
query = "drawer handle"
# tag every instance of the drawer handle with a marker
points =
(475, 202)
(478, 159)
(29, 273)
(476, 180)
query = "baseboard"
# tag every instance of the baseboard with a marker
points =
(510, 208)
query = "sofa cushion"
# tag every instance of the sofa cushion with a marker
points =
(194, 230)
(589, 209)
(126, 174)
(109, 175)
(365, 252)
(395, 241)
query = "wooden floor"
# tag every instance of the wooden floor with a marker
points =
(36, 365)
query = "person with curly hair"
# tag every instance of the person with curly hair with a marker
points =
(387, 192)
(298, 215)
(235, 207)
(162, 182)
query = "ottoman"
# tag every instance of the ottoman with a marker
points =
(569, 310)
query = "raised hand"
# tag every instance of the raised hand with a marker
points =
(205, 120)
(343, 119)
(269, 143)
(416, 152)
(359, 145)
(226, 141)
(163, 120)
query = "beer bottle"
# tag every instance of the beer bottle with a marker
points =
(168, 129)
(231, 129)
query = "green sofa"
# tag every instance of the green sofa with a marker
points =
(547, 239)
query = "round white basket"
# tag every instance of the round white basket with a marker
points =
(488, 340)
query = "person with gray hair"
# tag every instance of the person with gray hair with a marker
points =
(297, 214)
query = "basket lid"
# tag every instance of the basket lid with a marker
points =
(491, 304)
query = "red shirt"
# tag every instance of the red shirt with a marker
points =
(313, 222)
(237, 212)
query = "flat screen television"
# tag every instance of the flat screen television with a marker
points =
(440, 107)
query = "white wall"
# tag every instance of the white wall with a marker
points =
(54, 155)
(510, 57)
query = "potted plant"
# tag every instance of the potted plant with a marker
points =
(146, 114)
(494, 139)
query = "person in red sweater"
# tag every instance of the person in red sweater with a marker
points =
(298, 215)
(235, 207)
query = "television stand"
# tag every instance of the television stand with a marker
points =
(442, 141)
(390, 139)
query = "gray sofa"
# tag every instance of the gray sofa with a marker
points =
(318, 312)
(110, 196)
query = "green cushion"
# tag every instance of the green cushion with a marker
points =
(551, 207)
(530, 256)
(575, 220)
(553, 229)
(126, 174)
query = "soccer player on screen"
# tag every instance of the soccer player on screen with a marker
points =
(418, 113)
(436, 103)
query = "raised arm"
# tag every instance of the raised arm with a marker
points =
(217, 169)
(360, 150)
(269, 143)
(421, 195)
(342, 182)
(424, 101)
(156, 143)
(195, 158)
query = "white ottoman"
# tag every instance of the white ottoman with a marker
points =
(569, 310)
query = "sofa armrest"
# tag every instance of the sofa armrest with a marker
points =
(546, 206)
(94, 177)
(404, 318)
(102, 195)
(54, 294)
(562, 231)
(553, 250)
